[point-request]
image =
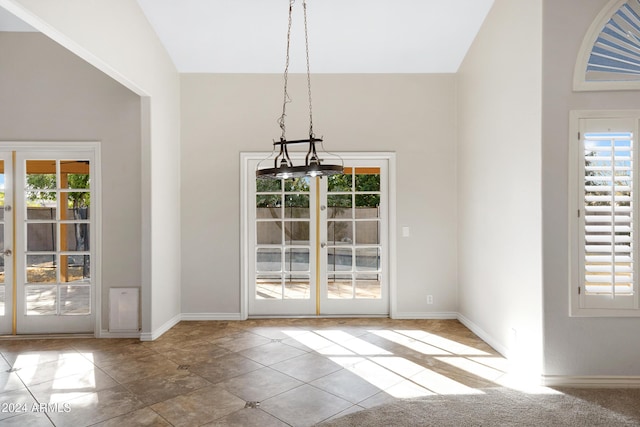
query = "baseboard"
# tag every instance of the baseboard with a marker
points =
(151, 336)
(211, 316)
(483, 335)
(595, 381)
(121, 334)
(426, 315)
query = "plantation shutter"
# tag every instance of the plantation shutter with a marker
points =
(608, 220)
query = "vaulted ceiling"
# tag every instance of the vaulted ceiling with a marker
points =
(345, 36)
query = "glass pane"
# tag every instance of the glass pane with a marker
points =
(76, 237)
(269, 233)
(40, 299)
(75, 299)
(368, 286)
(2, 299)
(296, 232)
(269, 259)
(296, 259)
(368, 181)
(367, 205)
(2, 239)
(41, 237)
(367, 233)
(339, 206)
(269, 286)
(297, 184)
(2, 269)
(75, 213)
(339, 259)
(340, 182)
(367, 259)
(269, 206)
(339, 232)
(42, 269)
(41, 174)
(75, 174)
(75, 268)
(1, 190)
(297, 286)
(268, 185)
(42, 205)
(339, 287)
(297, 206)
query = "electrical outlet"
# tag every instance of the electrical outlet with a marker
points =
(429, 299)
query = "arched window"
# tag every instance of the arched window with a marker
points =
(609, 58)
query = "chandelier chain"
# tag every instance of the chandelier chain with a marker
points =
(306, 45)
(286, 98)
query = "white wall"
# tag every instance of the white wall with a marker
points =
(413, 115)
(115, 37)
(499, 201)
(574, 346)
(49, 94)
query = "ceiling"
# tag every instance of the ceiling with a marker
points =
(345, 36)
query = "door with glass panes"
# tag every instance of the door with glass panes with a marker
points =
(319, 246)
(46, 228)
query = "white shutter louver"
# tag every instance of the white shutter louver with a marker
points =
(608, 214)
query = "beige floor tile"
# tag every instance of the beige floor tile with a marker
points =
(304, 406)
(27, 419)
(142, 367)
(141, 417)
(95, 407)
(307, 367)
(260, 385)
(48, 371)
(202, 353)
(199, 407)
(17, 402)
(241, 341)
(152, 390)
(70, 387)
(248, 417)
(225, 367)
(347, 385)
(271, 353)
(10, 381)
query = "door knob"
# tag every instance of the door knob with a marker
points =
(7, 208)
(7, 252)
(323, 245)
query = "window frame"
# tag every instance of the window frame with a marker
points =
(581, 304)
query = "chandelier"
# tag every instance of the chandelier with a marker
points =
(283, 166)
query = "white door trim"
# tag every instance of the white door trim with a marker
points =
(61, 147)
(246, 158)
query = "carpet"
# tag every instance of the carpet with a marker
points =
(505, 407)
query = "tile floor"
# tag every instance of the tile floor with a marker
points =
(270, 372)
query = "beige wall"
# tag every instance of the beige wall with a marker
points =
(50, 94)
(574, 346)
(499, 256)
(413, 115)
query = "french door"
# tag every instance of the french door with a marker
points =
(47, 263)
(319, 246)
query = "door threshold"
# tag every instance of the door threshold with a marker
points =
(44, 336)
(322, 316)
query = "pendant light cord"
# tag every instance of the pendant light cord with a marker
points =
(286, 98)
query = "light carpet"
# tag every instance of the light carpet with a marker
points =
(506, 407)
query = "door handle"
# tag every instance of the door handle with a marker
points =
(323, 245)
(7, 252)
(7, 208)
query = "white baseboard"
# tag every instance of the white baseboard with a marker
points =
(151, 336)
(594, 381)
(121, 334)
(483, 335)
(426, 315)
(211, 316)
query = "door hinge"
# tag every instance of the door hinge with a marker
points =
(579, 289)
(579, 136)
(578, 213)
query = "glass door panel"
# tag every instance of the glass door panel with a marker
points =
(6, 244)
(54, 247)
(317, 246)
